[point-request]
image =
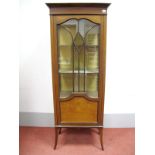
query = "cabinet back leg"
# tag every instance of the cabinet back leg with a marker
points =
(56, 138)
(101, 137)
(59, 130)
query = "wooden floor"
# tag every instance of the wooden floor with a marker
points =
(76, 141)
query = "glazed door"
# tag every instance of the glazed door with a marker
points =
(78, 51)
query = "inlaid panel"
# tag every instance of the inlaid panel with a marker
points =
(78, 110)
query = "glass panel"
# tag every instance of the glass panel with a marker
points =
(81, 87)
(85, 26)
(78, 41)
(92, 64)
(71, 26)
(92, 36)
(65, 59)
(78, 82)
(65, 62)
(76, 55)
(82, 61)
(92, 61)
(65, 38)
(76, 88)
(66, 85)
(78, 46)
(92, 85)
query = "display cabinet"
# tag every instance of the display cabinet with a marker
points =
(78, 53)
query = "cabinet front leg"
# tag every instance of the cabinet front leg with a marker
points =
(56, 138)
(101, 137)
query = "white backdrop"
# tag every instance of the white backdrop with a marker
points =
(35, 64)
(130, 66)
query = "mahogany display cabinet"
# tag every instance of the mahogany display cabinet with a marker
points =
(78, 53)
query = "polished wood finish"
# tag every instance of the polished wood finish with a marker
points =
(76, 11)
(102, 69)
(56, 138)
(78, 110)
(81, 5)
(101, 137)
(94, 18)
(73, 8)
(54, 67)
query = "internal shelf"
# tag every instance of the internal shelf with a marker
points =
(81, 71)
(89, 46)
(92, 94)
(66, 94)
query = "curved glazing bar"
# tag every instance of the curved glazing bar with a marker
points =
(71, 26)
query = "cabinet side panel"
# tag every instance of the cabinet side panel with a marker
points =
(54, 68)
(102, 69)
